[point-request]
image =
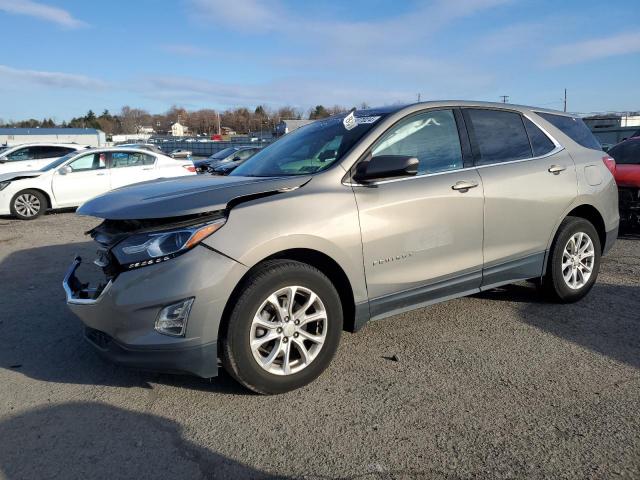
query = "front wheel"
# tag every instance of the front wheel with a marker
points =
(28, 204)
(574, 261)
(284, 328)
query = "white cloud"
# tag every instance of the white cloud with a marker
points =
(185, 49)
(290, 91)
(50, 79)
(594, 49)
(241, 15)
(41, 11)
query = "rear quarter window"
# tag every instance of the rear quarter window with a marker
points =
(574, 128)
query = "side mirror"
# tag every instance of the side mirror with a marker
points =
(384, 167)
(64, 170)
(235, 159)
(326, 155)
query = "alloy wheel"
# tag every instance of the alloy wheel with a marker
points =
(578, 258)
(288, 330)
(27, 205)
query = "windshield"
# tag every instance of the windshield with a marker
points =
(309, 149)
(58, 162)
(222, 153)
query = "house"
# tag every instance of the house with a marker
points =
(178, 130)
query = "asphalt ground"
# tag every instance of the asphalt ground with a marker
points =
(499, 385)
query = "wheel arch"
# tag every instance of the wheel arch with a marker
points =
(591, 214)
(323, 262)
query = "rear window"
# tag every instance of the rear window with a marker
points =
(574, 128)
(626, 153)
(498, 136)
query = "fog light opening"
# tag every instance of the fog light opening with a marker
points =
(172, 319)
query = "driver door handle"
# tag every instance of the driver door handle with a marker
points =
(556, 169)
(100, 174)
(463, 186)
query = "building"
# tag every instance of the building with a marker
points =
(288, 126)
(611, 128)
(178, 130)
(81, 136)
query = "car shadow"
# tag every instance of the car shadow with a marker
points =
(79, 440)
(43, 340)
(605, 321)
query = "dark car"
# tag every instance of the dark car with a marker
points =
(228, 155)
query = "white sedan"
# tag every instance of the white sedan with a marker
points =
(33, 156)
(75, 178)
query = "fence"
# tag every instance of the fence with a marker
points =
(205, 149)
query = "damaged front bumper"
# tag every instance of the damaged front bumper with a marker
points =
(119, 313)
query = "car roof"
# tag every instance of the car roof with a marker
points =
(455, 103)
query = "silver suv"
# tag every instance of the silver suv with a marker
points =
(349, 219)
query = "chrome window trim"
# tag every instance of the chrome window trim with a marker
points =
(558, 148)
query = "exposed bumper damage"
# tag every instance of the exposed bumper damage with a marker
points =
(119, 307)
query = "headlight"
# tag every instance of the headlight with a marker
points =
(4, 185)
(144, 249)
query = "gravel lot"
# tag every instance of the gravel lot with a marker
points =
(499, 385)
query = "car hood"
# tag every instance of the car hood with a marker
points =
(4, 177)
(182, 196)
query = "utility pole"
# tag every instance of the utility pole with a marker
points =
(505, 98)
(565, 99)
(418, 97)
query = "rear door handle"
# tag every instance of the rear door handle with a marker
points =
(100, 174)
(556, 169)
(463, 186)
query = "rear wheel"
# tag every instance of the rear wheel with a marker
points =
(28, 204)
(574, 261)
(284, 328)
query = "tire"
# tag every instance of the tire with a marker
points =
(554, 284)
(28, 204)
(261, 369)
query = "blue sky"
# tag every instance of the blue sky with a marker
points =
(61, 58)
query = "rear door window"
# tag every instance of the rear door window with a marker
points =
(626, 153)
(131, 159)
(574, 128)
(431, 137)
(540, 143)
(497, 136)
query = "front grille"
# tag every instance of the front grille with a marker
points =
(98, 338)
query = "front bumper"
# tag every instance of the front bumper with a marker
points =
(120, 314)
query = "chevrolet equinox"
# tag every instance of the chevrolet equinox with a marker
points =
(352, 218)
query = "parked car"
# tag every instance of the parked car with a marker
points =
(237, 159)
(229, 154)
(81, 175)
(33, 156)
(180, 153)
(145, 146)
(353, 218)
(627, 175)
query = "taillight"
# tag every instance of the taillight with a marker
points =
(190, 168)
(610, 163)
